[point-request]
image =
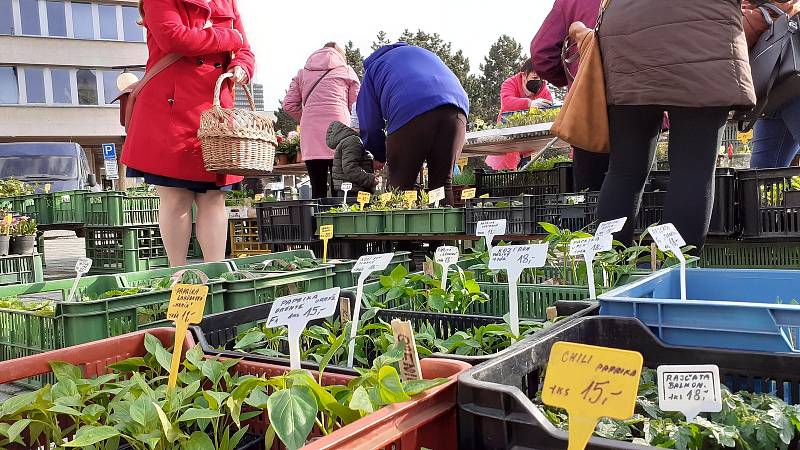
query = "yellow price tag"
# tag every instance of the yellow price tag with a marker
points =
(47, 188)
(485, 196)
(325, 233)
(410, 197)
(259, 197)
(590, 383)
(386, 197)
(186, 305)
(744, 138)
(467, 194)
(363, 198)
(462, 162)
(7, 221)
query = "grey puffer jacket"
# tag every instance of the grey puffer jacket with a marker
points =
(352, 162)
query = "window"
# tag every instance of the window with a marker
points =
(9, 90)
(110, 85)
(62, 89)
(29, 13)
(82, 23)
(34, 85)
(56, 19)
(87, 87)
(108, 21)
(6, 17)
(130, 18)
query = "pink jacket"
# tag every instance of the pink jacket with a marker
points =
(330, 101)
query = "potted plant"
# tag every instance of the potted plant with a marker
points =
(288, 148)
(24, 231)
(465, 179)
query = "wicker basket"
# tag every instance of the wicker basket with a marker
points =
(235, 141)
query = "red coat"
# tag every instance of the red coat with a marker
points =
(162, 136)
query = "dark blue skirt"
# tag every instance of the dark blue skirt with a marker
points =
(198, 187)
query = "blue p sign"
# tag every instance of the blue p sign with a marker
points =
(109, 151)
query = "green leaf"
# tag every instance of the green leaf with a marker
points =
(170, 431)
(17, 428)
(291, 413)
(549, 228)
(17, 404)
(153, 345)
(199, 441)
(129, 365)
(390, 388)
(215, 399)
(361, 402)
(193, 414)
(64, 371)
(252, 337)
(399, 273)
(257, 399)
(90, 435)
(61, 409)
(414, 387)
(212, 369)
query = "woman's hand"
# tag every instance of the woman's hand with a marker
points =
(578, 31)
(239, 75)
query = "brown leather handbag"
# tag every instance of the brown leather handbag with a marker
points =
(583, 120)
(127, 98)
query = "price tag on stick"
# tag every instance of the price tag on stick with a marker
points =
(364, 267)
(410, 197)
(590, 383)
(403, 332)
(386, 197)
(669, 239)
(436, 196)
(346, 187)
(7, 221)
(589, 248)
(468, 193)
(82, 267)
(363, 198)
(326, 234)
(186, 305)
(611, 227)
(689, 389)
(514, 259)
(489, 229)
(446, 256)
(295, 311)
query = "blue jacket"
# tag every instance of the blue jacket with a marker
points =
(401, 82)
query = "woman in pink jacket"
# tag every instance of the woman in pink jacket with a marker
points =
(522, 92)
(324, 91)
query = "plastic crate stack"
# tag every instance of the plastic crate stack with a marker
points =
(244, 238)
(122, 233)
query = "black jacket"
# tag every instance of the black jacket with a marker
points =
(352, 161)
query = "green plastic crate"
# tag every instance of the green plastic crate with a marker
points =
(116, 250)
(117, 209)
(37, 206)
(69, 207)
(345, 278)
(425, 221)
(266, 287)
(353, 224)
(21, 269)
(751, 255)
(158, 300)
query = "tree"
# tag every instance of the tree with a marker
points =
(354, 58)
(504, 60)
(380, 40)
(284, 122)
(559, 93)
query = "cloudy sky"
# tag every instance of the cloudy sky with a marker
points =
(285, 33)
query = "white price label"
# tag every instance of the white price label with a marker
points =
(590, 246)
(611, 227)
(347, 186)
(518, 257)
(372, 263)
(295, 311)
(489, 229)
(83, 265)
(446, 256)
(275, 186)
(690, 390)
(436, 195)
(667, 237)
(365, 266)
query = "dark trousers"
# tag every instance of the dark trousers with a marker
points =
(436, 137)
(318, 171)
(693, 143)
(588, 169)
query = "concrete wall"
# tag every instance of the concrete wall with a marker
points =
(48, 51)
(63, 122)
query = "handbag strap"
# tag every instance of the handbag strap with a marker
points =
(157, 68)
(601, 14)
(315, 86)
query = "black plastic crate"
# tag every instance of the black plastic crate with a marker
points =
(769, 202)
(340, 249)
(495, 406)
(519, 217)
(723, 216)
(557, 180)
(288, 221)
(571, 211)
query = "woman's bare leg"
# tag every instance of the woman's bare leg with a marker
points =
(175, 222)
(212, 225)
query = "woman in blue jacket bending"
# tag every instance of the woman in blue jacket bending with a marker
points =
(412, 109)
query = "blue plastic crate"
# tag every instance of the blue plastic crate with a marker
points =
(734, 309)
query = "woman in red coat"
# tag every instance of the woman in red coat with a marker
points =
(162, 145)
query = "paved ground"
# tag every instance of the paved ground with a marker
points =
(61, 250)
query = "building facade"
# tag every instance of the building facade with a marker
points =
(258, 97)
(59, 62)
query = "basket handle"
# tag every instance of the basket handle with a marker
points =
(218, 91)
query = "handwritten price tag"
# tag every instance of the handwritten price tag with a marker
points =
(588, 248)
(446, 256)
(514, 259)
(386, 197)
(435, 196)
(326, 234)
(611, 227)
(346, 187)
(410, 197)
(668, 239)
(590, 383)
(47, 188)
(363, 198)
(82, 267)
(489, 229)
(468, 194)
(295, 311)
(403, 332)
(365, 266)
(186, 305)
(689, 389)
